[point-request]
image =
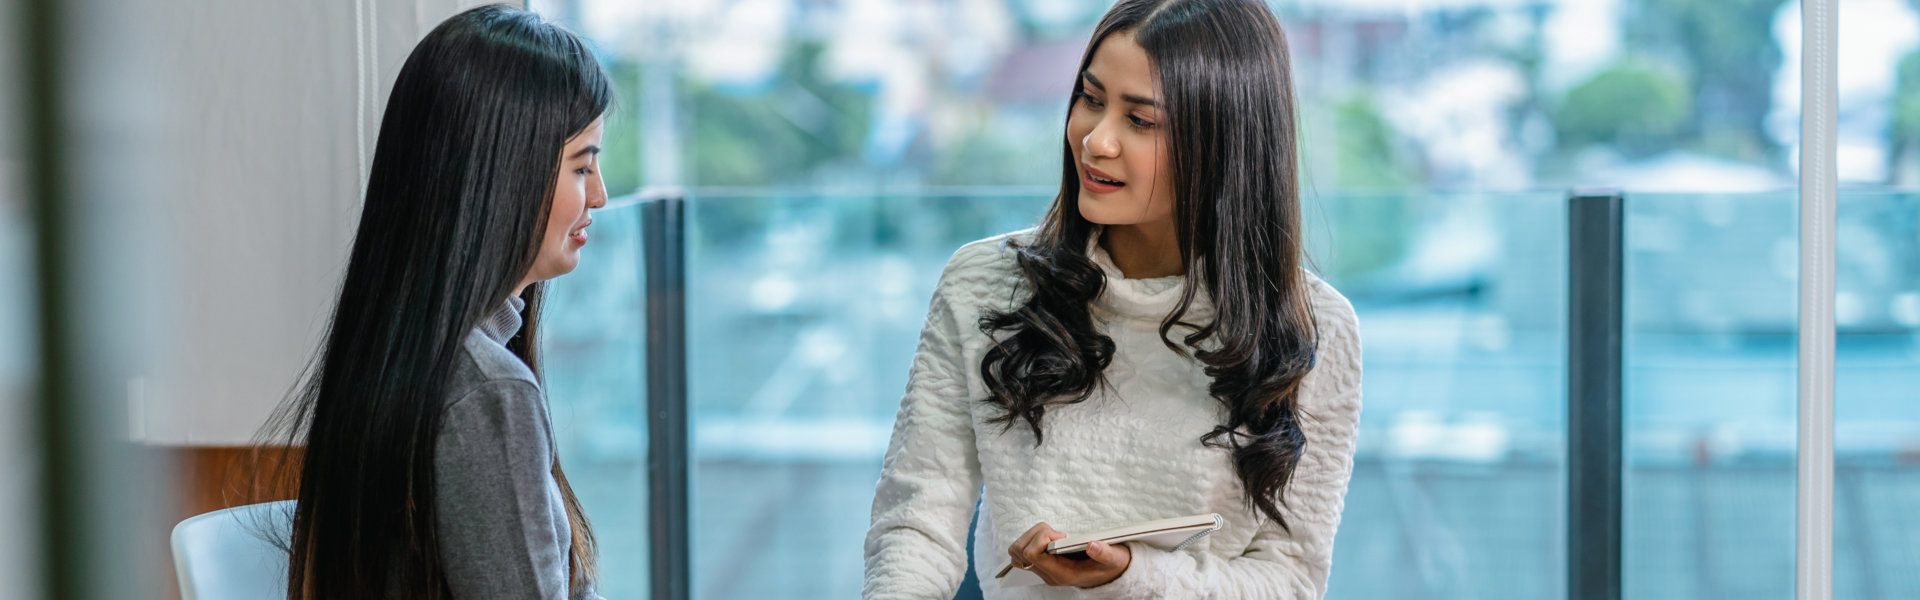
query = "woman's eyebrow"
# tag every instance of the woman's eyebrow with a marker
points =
(1093, 80)
(1136, 99)
(590, 149)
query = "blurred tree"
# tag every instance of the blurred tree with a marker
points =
(1371, 219)
(1730, 57)
(798, 129)
(1366, 155)
(1634, 106)
(997, 152)
(1903, 166)
(779, 133)
(621, 157)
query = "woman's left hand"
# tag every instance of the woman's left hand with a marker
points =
(1103, 563)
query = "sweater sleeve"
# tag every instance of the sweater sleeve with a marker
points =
(930, 479)
(1279, 564)
(493, 463)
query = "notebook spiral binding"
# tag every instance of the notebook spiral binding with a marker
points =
(1218, 523)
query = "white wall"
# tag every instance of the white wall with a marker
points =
(273, 107)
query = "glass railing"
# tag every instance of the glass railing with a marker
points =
(1711, 385)
(803, 311)
(594, 347)
(1459, 478)
(1877, 383)
(1710, 395)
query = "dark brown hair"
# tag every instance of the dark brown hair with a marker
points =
(1229, 127)
(457, 200)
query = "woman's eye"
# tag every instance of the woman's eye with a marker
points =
(1139, 122)
(1090, 100)
(583, 171)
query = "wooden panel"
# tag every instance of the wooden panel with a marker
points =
(216, 477)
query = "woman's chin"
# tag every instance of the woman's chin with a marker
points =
(1101, 211)
(556, 266)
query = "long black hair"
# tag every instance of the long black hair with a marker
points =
(456, 204)
(1229, 127)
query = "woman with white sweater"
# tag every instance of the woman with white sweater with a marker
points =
(1152, 350)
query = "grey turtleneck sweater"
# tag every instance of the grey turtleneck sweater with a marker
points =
(503, 526)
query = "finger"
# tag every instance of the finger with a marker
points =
(1042, 528)
(1045, 541)
(1054, 535)
(1032, 550)
(1045, 537)
(1016, 550)
(1036, 530)
(1037, 543)
(1102, 553)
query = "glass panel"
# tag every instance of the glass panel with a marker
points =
(1459, 482)
(803, 313)
(594, 353)
(1711, 395)
(1713, 398)
(1876, 420)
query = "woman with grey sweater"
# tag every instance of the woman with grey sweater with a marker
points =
(429, 468)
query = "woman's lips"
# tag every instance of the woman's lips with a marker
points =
(579, 235)
(1092, 180)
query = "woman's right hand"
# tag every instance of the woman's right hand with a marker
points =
(1104, 562)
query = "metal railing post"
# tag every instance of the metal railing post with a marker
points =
(1594, 393)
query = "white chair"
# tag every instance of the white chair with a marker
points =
(231, 554)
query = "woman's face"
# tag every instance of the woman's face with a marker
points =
(579, 188)
(1115, 135)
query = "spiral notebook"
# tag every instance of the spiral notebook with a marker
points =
(1172, 534)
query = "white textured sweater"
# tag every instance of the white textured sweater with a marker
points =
(1131, 452)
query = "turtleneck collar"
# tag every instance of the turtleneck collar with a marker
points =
(1150, 299)
(504, 322)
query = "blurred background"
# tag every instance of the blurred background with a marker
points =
(834, 153)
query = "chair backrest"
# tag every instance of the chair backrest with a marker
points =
(232, 554)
